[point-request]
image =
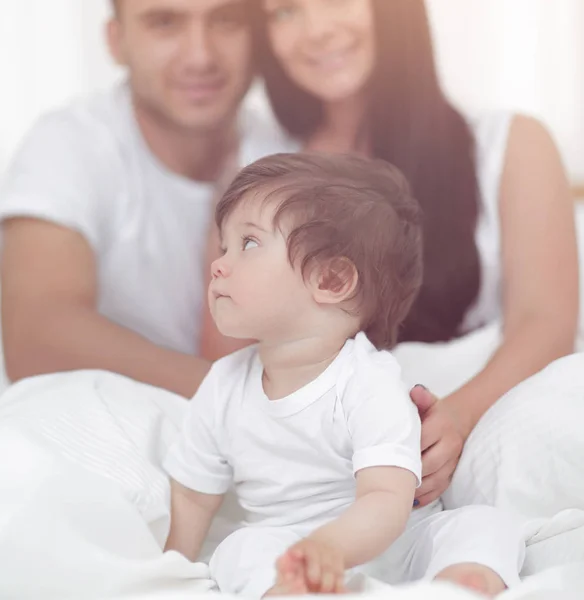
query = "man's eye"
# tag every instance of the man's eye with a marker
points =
(248, 244)
(163, 21)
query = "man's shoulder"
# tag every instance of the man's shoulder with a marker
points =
(87, 121)
(67, 168)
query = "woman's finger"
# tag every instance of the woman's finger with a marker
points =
(432, 431)
(423, 399)
(438, 481)
(436, 458)
(428, 498)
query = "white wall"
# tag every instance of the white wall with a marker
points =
(527, 55)
(50, 51)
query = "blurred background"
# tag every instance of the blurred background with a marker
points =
(526, 55)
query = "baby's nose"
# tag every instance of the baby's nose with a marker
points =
(220, 268)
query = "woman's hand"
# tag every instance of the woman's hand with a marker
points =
(443, 438)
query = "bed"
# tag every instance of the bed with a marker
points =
(84, 501)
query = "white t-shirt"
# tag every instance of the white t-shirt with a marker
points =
(88, 168)
(292, 461)
(491, 132)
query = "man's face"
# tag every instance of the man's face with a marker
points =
(189, 60)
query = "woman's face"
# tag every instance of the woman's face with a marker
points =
(327, 47)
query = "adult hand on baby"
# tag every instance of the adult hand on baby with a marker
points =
(312, 566)
(442, 443)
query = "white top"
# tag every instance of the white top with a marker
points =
(292, 461)
(491, 132)
(87, 167)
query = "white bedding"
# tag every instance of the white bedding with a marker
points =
(84, 503)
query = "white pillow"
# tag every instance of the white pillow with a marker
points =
(103, 423)
(527, 452)
(445, 367)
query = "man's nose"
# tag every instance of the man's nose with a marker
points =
(197, 47)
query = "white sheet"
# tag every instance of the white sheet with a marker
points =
(84, 503)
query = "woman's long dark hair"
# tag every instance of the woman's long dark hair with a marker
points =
(412, 125)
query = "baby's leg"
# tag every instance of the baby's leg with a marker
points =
(245, 563)
(478, 547)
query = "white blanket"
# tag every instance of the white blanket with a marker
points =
(84, 502)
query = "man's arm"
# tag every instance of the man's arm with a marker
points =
(50, 320)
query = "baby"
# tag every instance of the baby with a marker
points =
(321, 261)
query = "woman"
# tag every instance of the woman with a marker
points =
(359, 76)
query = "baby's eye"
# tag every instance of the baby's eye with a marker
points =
(248, 244)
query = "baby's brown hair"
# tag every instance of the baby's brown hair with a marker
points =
(336, 209)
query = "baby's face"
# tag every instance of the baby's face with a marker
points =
(255, 293)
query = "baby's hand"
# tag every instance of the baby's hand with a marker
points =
(320, 567)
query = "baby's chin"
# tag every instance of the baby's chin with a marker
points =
(234, 331)
(232, 324)
(236, 335)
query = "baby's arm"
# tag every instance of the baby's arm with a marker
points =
(196, 462)
(377, 518)
(191, 515)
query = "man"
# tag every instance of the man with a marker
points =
(106, 208)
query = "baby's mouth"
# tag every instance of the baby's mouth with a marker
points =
(218, 295)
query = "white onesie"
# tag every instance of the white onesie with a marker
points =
(293, 461)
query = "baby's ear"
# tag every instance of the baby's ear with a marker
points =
(335, 281)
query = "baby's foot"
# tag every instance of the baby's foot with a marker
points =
(477, 582)
(474, 577)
